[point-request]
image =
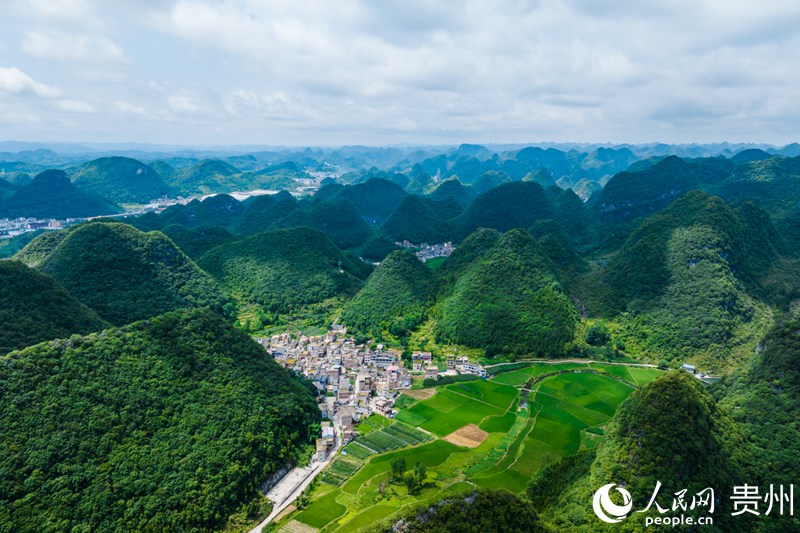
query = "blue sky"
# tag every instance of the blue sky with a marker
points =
(275, 72)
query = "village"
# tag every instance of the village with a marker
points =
(355, 380)
(427, 251)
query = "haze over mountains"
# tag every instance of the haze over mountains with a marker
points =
(628, 253)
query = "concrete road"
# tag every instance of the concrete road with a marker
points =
(294, 483)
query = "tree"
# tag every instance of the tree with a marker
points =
(420, 473)
(597, 335)
(410, 481)
(398, 469)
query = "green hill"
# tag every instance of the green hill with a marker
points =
(394, 299)
(11, 246)
(557, 247)
(18, 178)
(748, 156)
(416, 220)
(475, 511)
(374, 199)
(420, 184)
(774, 183)
(39, 249)
(207, 177)
(34, 307)
(284, 269)
(337, 219)
(571, 214)
(490, 180)
(689, 275)
(471, 249)
(586, 189)
(218, 210)
(511, 205)
(51, 195)
(764, 400)
(543, 177)
(164, 169)
(194, 242)
(377, 248)
(169, 424)
(121, 179)
(7, 190)
(122, 273)
(669, 431)
(452, 188)
(509, 302)
(629, 195)
(262, 212)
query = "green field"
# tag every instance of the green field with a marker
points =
(562, 414)
(435, 263)
(459, 404)
(637, 375)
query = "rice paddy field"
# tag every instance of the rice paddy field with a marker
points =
(566, 410)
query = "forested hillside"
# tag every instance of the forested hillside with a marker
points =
(121, 179)
(122, 273)
(164, 425)
(394, 299)
(51, 195)
(509, 302)
(285, 269)
(34, 307)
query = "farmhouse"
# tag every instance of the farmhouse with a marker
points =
(431, 372)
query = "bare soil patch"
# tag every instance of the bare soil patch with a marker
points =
(283, 514)
(470, 436)
(420, 394)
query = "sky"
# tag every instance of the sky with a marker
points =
(335, 72)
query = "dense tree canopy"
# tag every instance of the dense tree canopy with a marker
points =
(395, 297)
(124, 274)
(164, 425)
(285, 269)
(34, 307)
(51, 195)
(509, 301)
(478, 512)
(121, 179)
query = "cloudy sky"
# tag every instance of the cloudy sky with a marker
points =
(328, 72)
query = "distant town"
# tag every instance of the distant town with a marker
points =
(13, 227)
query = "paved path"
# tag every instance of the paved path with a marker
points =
(293, 484)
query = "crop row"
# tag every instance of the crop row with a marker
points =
(339, 470)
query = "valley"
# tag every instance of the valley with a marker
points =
(516, 435)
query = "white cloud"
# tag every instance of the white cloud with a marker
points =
(186, 103)
(15, 81)
(60, 9)
(73, 106)
(127, 107)
(61, 46)
(416, 70)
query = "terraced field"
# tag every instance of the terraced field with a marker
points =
(378, 435)
(562, 414)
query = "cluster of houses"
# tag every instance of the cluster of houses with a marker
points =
(427, 251)
(355, 380)
(11, 227)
